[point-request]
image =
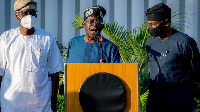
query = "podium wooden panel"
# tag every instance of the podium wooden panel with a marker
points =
(76, 73)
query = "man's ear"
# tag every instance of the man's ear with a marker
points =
(17, 17)
(167, 23)
(83, 24)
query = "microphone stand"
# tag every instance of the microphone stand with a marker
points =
(100, 45)
(98, 37)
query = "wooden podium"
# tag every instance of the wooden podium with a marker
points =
(76, 73)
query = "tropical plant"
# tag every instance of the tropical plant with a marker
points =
(131, 46)
(179, 18)
(60, 97)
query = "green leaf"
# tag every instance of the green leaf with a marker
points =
(78, 20)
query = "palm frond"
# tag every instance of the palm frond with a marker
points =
(177, 14)
(78, 20)
(143, 101)
(120, 38)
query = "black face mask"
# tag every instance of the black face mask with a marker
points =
(156, 31)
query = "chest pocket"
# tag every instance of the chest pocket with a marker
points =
(40, 52)
(153, 55)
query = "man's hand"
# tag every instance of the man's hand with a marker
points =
(103, 60)
(55, 84)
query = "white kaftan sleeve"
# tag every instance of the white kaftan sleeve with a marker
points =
(2, 54)
(55, 62)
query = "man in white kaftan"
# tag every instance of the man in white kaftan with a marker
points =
(29, 64)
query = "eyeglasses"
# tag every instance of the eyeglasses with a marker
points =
(154, 24)
(32, 12)
(91, 22)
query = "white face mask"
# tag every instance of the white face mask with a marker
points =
(28, 21)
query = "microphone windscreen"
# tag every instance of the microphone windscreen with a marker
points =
(97, 36)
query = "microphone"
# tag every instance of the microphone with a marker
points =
(97, 36)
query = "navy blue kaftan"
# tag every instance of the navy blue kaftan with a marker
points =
(172, 62)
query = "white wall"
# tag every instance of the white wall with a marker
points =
(51, 16)
(68, 17)
(56, 16)
(196, 20)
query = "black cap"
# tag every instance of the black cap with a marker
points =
(95, 11)
(158, 12)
